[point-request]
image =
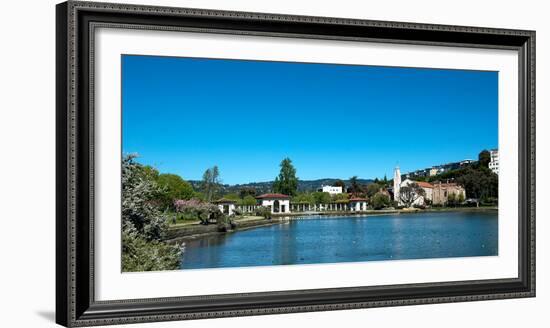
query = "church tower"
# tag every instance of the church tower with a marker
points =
(396, 183)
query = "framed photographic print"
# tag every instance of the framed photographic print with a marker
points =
(214, 163)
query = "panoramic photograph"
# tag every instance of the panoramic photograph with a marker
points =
(236, 163)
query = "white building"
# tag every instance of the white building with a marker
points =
(333, 190)
(396, 183)
(277, 203)
(227, 206)
(493, 164)
(357, 204)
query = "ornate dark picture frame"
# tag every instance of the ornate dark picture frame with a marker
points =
(75, 301)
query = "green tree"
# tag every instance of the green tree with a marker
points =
(478, 183)
(150, 172)
(286, 182)
(321, 197)
(248, 201)
(340, 183)
(373, 188)
(380, 200)
(354, 186)
(210, 182)
(484, 158)
(338, 197)
(175, 188)
(304, 198)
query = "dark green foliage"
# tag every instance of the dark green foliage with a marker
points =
(479, 182)
(247, 191)
(321, 197)
(354, 186)
(340, 183)
(380, 201)
(484, 158)
(286, 182)
(373, 188)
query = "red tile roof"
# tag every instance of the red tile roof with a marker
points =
(424, 184)
(272, 196)
(358, 199)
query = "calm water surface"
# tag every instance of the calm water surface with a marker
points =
(335, 239)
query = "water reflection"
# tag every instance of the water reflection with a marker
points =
(349, 239)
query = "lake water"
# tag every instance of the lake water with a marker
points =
(326, 239)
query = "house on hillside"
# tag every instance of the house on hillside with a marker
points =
(333, 190)
(493, 164)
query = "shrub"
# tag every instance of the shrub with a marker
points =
(264, 212)
(139, 254)
(379, 201)
(205, 212)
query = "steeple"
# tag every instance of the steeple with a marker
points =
(396, 183)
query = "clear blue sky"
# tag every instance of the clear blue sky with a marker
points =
(183, 115)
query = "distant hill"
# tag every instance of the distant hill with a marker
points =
(265, 187)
